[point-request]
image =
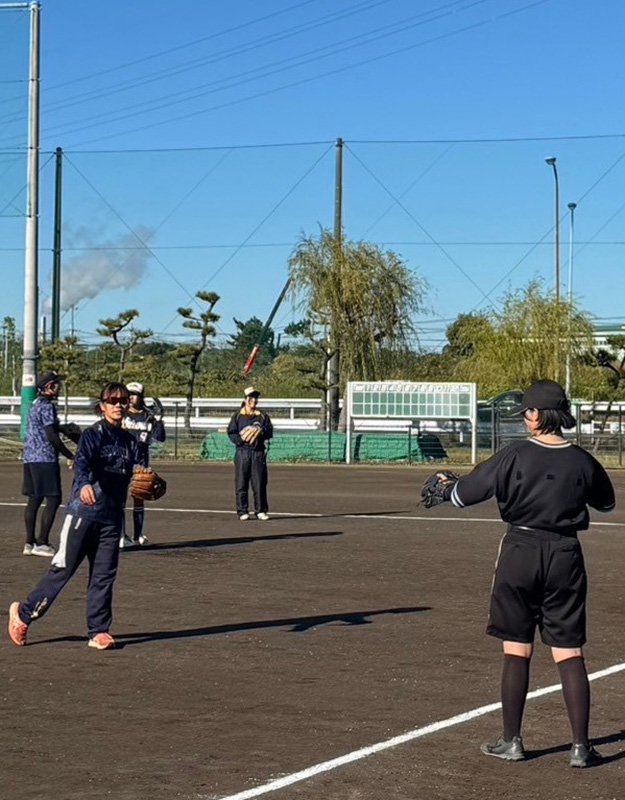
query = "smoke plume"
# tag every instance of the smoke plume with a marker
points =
(104, 264)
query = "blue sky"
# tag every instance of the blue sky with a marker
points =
(165, 112)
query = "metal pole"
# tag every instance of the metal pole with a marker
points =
(552, 163)
(56, 247)
(29, 367)
(333, 363)
(572, 207)
(620, 435)
(175, 431)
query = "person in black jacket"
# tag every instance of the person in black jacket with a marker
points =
(543, 486)
(42, 475)
(250, 458)
(103, 467)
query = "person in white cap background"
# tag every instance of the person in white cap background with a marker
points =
(42, 476)
(248, 430)
(146, 425)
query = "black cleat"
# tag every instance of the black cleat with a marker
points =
(584, 756)
(509, 751)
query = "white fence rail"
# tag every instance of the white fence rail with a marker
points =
(288, 414)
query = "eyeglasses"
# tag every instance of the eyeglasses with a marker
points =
(116, 401)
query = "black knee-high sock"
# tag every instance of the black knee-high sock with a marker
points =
(515, 678)
(576, 691)
(30, 517)
(47, 518)
(138, 514)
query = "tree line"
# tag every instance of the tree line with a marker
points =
(358, 302)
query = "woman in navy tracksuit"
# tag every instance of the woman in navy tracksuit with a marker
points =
(250, 458)
(103, 468)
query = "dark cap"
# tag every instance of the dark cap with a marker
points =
(543, 395)
(50, 376)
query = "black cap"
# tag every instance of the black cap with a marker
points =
(543, 395)
(50, 376)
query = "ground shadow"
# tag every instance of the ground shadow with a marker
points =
(198, 543)
(296, 625)
(597, 741)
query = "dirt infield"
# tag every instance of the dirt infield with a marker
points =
(250, 651)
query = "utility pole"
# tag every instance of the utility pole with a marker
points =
(29, 367)
(56, 251)
(333, 363)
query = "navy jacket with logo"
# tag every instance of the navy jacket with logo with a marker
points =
(241, 419)
(104, 459)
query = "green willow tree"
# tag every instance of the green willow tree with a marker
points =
(527, 340)
(359, 301)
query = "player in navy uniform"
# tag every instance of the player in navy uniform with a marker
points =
(103, 468)
(543, 486)
(42, 476)
(146, 425)
(250, 458)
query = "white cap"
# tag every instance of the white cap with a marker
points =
(250, 391)
(134, 388)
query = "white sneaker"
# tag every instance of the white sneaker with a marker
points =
(43, 550)
(126, 544)
(262, 516)
(142, 540)
(28, 550)
(244, 517)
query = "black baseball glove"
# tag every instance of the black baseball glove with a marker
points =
(71, 430)
(156, 409)
(437, 488)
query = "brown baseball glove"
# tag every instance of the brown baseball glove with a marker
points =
(250, 433)
(146, 484)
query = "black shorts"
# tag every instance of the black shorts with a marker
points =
(42, 480)
(540, 580)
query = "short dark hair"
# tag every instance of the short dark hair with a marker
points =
(551, 420)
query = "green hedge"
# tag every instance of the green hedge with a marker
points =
(321, 446)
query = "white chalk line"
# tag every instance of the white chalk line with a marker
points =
(416, 733)
(318, 515)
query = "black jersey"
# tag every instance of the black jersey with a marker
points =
(539, 486)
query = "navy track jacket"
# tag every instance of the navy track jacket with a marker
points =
(105, 458)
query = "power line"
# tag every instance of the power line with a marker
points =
(260, 224)
(258, 73)
(319, 76)
(182, 46)
(170, 72)
(418, 224)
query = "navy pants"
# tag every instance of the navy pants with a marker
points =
(250, 466)
(98, 542)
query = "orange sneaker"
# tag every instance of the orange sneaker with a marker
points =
(17, 628)
(102, 641)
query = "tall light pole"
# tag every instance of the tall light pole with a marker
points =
(551, 161)
(30, 350)
(572, 207)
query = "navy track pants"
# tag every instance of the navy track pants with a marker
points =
(98, 542)
(250, 466)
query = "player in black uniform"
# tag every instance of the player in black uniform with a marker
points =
(543, 486)
(146, 425)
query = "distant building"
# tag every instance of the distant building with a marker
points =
(601, 334)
